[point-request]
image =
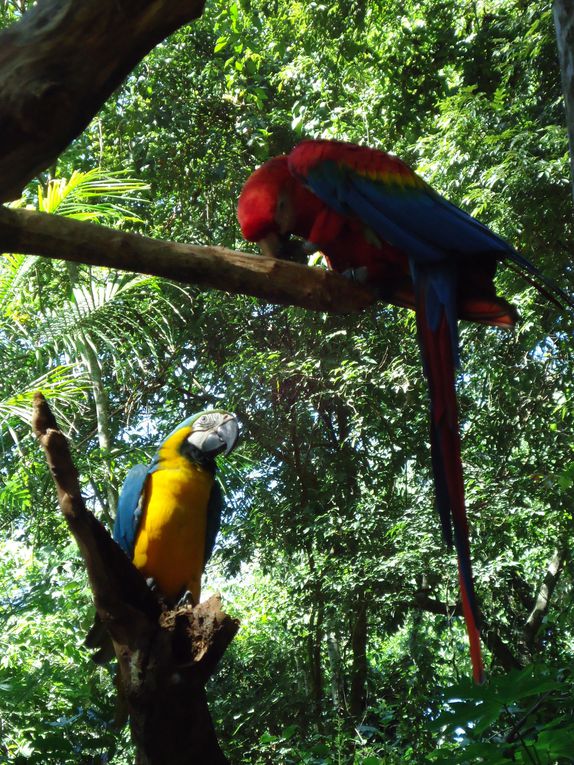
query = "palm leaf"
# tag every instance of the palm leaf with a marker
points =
(91, 195)
(60, 385)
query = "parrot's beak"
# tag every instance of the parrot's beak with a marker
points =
(283, 247)
(271, 245)
(228, 432)
(220, 438)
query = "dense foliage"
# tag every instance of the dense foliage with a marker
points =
(331, 551)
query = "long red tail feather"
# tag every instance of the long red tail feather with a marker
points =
(436, 347)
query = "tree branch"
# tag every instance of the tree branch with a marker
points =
(165, 657)
(496, 645)
(424, 602)
(60, 63)
(277, 281)
(545, 593)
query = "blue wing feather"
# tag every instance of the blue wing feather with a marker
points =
(129, 512)
(416, 219)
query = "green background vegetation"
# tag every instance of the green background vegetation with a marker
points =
(330, 529)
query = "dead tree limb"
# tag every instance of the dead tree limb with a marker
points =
(277, 281)
(500, 650)
(536, 616)
(60, 63)
(165, 657)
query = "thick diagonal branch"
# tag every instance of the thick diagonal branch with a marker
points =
(276, 281)
(60, 63)
(114, 581)
(536, 616)
(491, 638)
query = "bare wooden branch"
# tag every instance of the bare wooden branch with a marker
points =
(545, 593)
(59, 64)
(165, 657)
(276, 281)
(502, 653)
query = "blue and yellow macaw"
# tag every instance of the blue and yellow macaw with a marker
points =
(169, 511)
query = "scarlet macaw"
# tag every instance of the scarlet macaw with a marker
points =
(376, 220)
(169, 511)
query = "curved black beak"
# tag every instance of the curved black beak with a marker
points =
(284, 247)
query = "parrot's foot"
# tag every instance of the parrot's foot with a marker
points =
(186, 599)
(152, 584)
(359, 275)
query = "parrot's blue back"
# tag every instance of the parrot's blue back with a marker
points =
(415, 219)
(129, 510)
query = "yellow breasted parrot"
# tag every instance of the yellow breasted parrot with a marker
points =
(169, 511)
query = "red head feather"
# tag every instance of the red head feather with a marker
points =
(257, 203)
(269, 186)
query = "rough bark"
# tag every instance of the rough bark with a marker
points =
(358, 694)
(165, 657)
(277, 281)
(536, 616)
(59, 64)
(337, 677)
(564, 23)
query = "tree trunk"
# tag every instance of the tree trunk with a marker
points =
(314, 642)
(102, 404)
(85, 349)
(564, 23)
(358, 699)
(337, 677)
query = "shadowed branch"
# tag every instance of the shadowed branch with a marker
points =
(276, 281)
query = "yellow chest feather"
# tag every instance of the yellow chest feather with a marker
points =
(170, 545)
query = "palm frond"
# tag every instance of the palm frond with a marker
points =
(14, 273)
(61, 385)
(122, 315)
(90, 195)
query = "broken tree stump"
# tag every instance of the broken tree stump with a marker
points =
(165, 657)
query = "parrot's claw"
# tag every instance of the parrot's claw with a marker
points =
(186, 600)
(151, 583)
(359, 275)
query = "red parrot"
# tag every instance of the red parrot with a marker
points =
(376, 220)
